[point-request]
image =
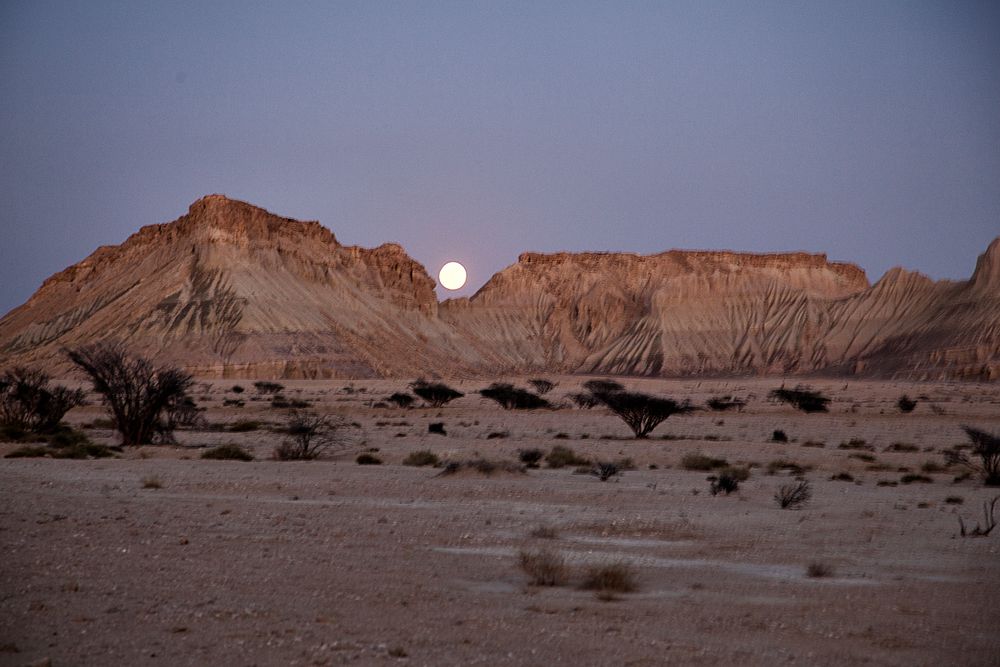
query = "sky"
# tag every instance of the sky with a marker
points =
(474, 131)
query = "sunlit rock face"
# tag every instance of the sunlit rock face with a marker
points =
(232, 290)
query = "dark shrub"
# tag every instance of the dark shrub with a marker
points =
(544, 568)
(611, 578)
(368, 460)
(723, 403)
(228, 453)
(435, 394)
(912, 478)
(560, 457)
(264, 387)
(237, 389)
(728, 480)
(244, 426)
(779, 436)
(802, 399)
(530, 457)
(310, 436)
(510, 397)
(985, 447)
(793, 496)
(27, 402)
(136, 392)
(542, 386)
(604, 471)
(584, 400)
(702, 462)
(436, 427)
(641, 412)
(842, 477)
(602, 386)
(401, 400)
(906, 404)
(421, 458)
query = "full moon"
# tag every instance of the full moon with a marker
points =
(452, 275)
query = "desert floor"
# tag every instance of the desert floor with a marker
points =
(160, 557)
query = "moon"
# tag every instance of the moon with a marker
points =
(452, 276)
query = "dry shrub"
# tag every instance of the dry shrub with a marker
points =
(818, 570)
(610, 578)
(228, 453)
(423, 457)
(544, 567)
(793, 496)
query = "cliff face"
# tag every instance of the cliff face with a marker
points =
(230, 289)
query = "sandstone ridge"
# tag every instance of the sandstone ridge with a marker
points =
(230, 289)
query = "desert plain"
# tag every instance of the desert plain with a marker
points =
(159, 557)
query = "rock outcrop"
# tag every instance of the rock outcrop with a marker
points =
(232, 290)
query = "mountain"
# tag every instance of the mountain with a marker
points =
(232, 290)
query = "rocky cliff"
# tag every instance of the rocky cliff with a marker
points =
(230, 289)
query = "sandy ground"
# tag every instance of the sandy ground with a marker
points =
(330, 562)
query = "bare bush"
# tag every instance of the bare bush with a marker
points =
(604, 471)
(641, 412)
(802, 399)
(793, 496)
(985, 447)
(136, 392)
(29, 403)
(989, 522)
(310, 435)
(435, 394)
(265, 387)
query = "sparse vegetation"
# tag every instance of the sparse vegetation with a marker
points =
(914, 478)
(265, 387)
(152, 482)
(437, 427)
(368, 460)
(544, 567)
(641, 412)
(244, 426)
(842, 477)
(603, 386)
(310, 435)
(701, 462)
(818, 570)
(435, 394)
(604, 471)
(986, 448)
(136, 392)
(728, 480)
(510, 397)
(228, 452)
(584, 400)
(902, 447)
(778, 436)
(801, 398)
(530, 457)
(855, 444)
(723, 403)
(542, 386)
(401, 400)
(610, 578)
(420, 458)
(989, 522)
(29, 403)
(560, 457)
(906, 404)
(544, 533)
(784, 465)
(793, 496)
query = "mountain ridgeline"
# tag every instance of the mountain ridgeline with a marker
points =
(230, 290)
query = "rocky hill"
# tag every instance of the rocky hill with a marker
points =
(232, 290)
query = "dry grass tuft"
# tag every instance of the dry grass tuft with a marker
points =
(544, 567)
(611, 578)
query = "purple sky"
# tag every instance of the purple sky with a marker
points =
(474, 131)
